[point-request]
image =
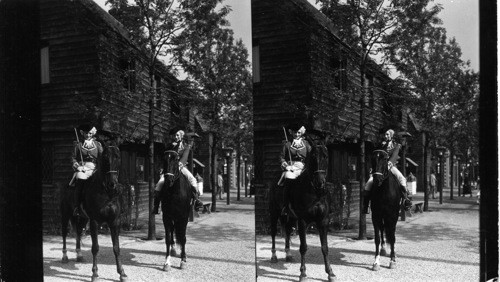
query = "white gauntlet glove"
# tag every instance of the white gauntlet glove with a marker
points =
(284, 165)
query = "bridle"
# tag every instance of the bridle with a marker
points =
(319, 169)
(111, 184)
(176, 157)
(112, 171)
(386, 156)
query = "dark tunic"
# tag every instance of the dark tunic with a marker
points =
(392, 148)
(298, 153)
(88, 154)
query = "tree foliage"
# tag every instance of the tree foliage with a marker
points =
(443, 89)
(218, 69)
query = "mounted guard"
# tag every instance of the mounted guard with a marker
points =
(84, 161)
(297, 152)
(392, 149)
(183, 149)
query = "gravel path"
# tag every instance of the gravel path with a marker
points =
(439, 245)
(220, 247)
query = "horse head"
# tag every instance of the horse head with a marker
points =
(170, 166)
(380, 168)
(111, 161)
(318, 166)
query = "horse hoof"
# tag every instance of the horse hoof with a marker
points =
(303, 279)
(376, 267)
(166, 268)
(289, 259)
(383, 252)
(65, 259)
(183, 265)
(123, 278)
(274, 259)
(95, 278)
(392, 265)
(332, 278)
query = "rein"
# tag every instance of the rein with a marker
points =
(177, 173)
(386, 156)
(320, 163)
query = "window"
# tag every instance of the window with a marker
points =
(44, 63)
(140, 169)
(256, 63)
(340, 70)
(47, 162)
(128, 75)
(175, 108)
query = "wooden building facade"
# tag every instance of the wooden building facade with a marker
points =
(92, 73)
(303, 73)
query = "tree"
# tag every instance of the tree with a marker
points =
(217, 69)
(239, 119)
(458, 117)
(155, 26)
(363, 25)
(429, 65)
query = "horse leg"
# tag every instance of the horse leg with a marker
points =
(323, 236)
(78, 230)
(391, 237)
(383, 251)
(64, 230)
(173, 249)
(288, 232)
(180, 234)
(376, 264)
(115, 238)
(95, 249)
(303, 250)
(168, 238)
(274, 230)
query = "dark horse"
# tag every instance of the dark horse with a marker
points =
(309, 201)
(286, 223)
(175, 206)
(66, 207)
(102, 204)
(385, 196)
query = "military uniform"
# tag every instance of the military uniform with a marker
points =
(392, 148)
(298, 150)
(182, 150)
(84, 161)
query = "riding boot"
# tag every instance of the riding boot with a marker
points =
(156, 204)
(197, 203)
(366, 201)
(78, 197)
(406, 201)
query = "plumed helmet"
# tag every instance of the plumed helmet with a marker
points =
(174, 130)
(296, 127)
(87, 128)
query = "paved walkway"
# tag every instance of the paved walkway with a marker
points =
(220, 247)
(441, 244)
